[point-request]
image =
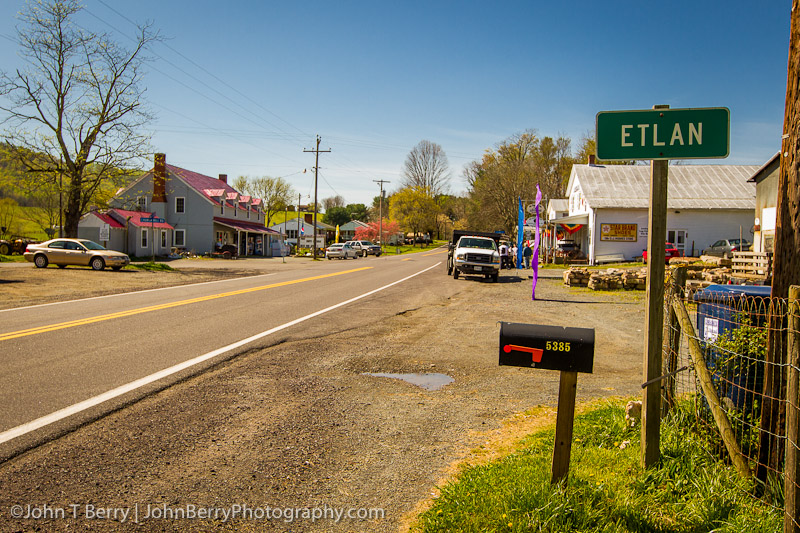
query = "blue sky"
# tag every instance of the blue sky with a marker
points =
(243, 87)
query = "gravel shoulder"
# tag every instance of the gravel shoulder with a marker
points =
(298, 424)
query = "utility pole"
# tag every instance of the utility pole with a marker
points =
(316, 175)
(380, 211)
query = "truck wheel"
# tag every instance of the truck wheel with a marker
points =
(496, 278)
(5, 249)
(455, 273)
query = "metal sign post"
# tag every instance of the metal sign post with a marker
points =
(659, 135)
(570, 350)
(152, 219)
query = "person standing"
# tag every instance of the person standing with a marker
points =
(514, 252)
(527, 253)
(503, 255)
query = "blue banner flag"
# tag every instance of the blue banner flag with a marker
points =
(535, 257)
(520, 233)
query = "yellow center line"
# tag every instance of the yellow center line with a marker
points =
(132, 312)
(435, 253)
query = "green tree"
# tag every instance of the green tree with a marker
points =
(336, 216)
(496, 182)
(76, 109)
(414, 209)
(358, 212)
(275, 193)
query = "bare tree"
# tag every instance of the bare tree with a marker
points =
(426, 168)
(75, 111)
(333, 201)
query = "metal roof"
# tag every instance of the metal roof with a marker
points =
(689, 186)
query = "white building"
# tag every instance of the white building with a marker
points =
(705, 203)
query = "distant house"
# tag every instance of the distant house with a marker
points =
(347, 232)
(203, 212)
(608, 207)
(301, 228)
(766, 180)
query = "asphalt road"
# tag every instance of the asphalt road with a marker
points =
(71, 362)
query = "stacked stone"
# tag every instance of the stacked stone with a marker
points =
(576, 277)
(717, 275)
(635, 279)
(714, 260)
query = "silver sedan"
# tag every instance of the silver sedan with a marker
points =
(341, 251)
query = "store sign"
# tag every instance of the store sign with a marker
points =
(618, 232)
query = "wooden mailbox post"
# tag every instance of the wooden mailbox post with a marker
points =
(569, 350)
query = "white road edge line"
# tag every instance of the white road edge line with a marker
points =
(61, 414)
(135, 292)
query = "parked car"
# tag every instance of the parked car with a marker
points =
(726, 247)
(341, 251)
(670, 251)
(78, 252)
(365, 248)
(568, 250)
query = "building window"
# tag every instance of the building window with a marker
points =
(163, 238)
(180, 237)
(222, 209)
(142, 203)
(248, 213)
(144, 238)
(234, 212)
(180, 205)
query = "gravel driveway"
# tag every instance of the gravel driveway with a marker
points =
(300, 424)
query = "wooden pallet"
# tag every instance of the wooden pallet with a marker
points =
(755, 266)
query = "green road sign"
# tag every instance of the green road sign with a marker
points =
(702, 133)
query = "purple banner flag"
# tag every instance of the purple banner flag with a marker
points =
(535, 257)
(520, 232)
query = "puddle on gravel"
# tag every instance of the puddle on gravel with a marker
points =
(431, 381)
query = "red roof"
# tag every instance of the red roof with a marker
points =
(107, 219)
(136, 219)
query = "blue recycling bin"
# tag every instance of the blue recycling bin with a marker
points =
(717, 310)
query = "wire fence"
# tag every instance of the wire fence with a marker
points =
(731, 354)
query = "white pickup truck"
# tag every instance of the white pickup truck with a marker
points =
(477, 256)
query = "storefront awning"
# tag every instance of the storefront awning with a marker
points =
(574, 219)
(243, 226)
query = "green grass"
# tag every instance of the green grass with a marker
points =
(23, 224)
(151, 266)
(607, 490)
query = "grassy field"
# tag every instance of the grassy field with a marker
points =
(607, 488)
(24, 224)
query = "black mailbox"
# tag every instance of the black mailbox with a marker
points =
(549, 347)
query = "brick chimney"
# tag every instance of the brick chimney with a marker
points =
(591, 159)
(160, 178)
(223, 178)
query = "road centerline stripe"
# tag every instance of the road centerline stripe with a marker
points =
(151, 308)
(61, 414)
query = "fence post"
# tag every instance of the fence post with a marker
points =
(792, 468)
(678, 283)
